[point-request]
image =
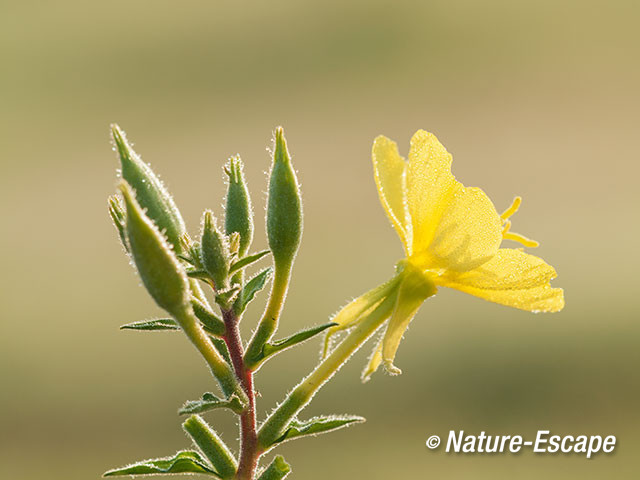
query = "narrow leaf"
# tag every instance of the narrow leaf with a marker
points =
(277, 470)
(152, 325)
(199, 274)
(181, 462)
(278, 346)
(210, 402)
(317, 425)
(248, 260)
(212, 323)
(221, 347)
(250, 290)
(227, 297)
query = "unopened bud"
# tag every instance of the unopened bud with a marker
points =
(161, 273)
(215, 251)
(239, 217)
(150, 192)
(284, 207)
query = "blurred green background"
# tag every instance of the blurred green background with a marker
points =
(532, 98)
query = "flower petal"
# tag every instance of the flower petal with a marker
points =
(430, 185)
(389, 170)
(454, 228)
(511, 278)
(469, 233)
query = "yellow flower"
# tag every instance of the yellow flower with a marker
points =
(451, 236)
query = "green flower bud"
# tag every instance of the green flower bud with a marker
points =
(212, 446)
(158, 267)
(150, 192)
(239, 216)
(284, 207)
(215, 252)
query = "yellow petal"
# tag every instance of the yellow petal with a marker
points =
(430, 185)
(454, 228)
(389, 170)
(469, 233)
(511, 278)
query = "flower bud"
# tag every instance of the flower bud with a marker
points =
(284, 206)
(150, 192)
(239, 217)
(215, 251)
(158, 267)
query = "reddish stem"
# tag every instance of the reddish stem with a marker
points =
(249, 453)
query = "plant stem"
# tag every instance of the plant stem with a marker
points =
(219, 367)
(249, 453)
(302, 394)
(269, 321)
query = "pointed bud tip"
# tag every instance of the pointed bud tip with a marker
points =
(280, 152)
(209, 220)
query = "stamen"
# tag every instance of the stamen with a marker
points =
(512, 209)
(516, 237)
(507, 226)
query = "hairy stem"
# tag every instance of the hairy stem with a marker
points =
(302, 394)
(249, 453)
(269, 321)
(219, 367)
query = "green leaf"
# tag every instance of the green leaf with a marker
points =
(317, 425)
(271, 349)
(250, 290)
(181, 462)
(295, 339)
(210, 402)
(221, 346)
(246, 261)
(228, 296)
(277, 470)
(212, 323)
(199, 274)
(155, 324)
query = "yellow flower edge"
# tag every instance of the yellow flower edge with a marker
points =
(451, 236)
